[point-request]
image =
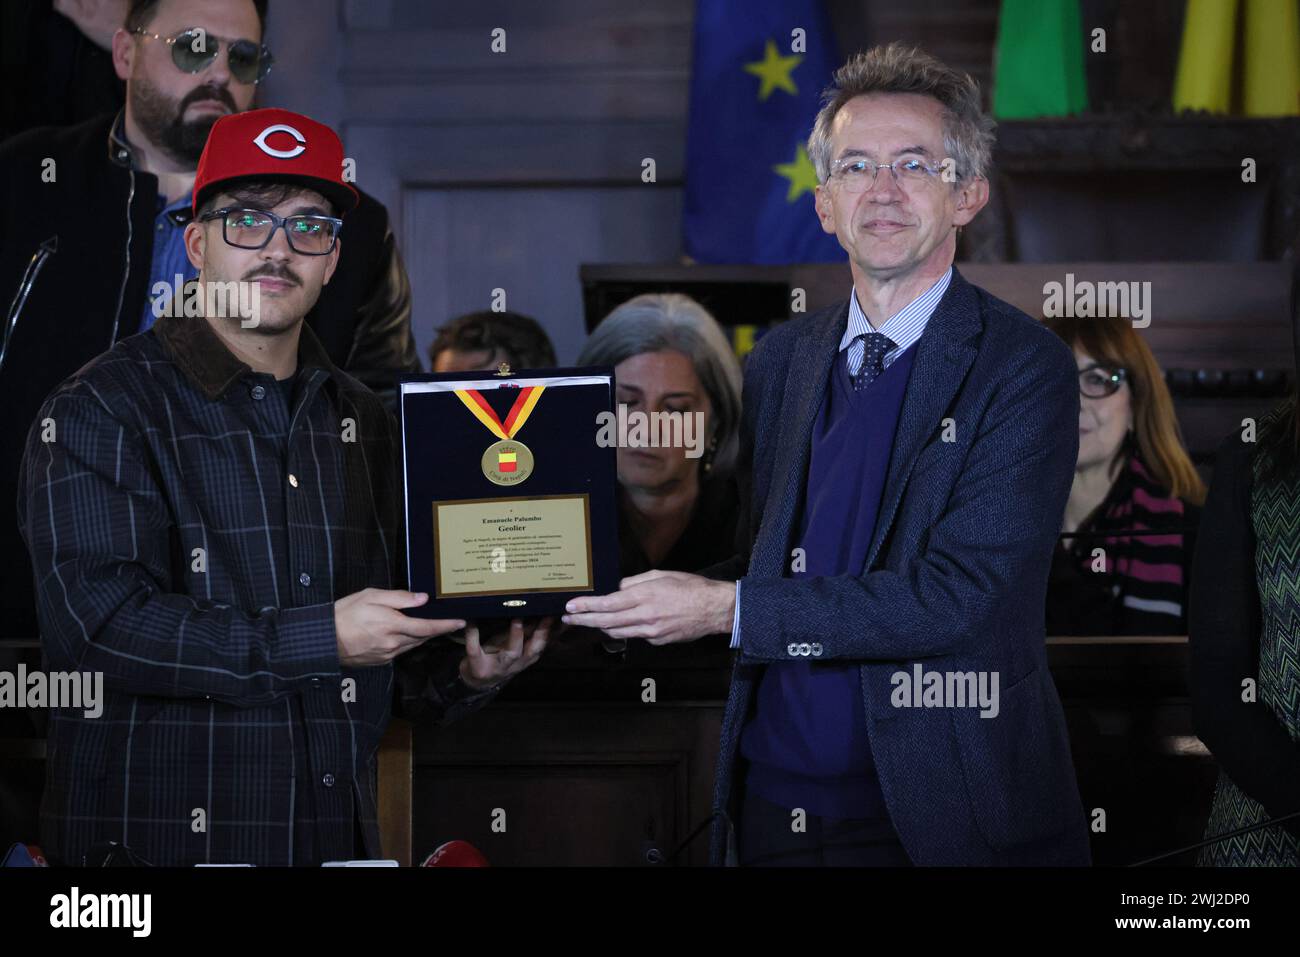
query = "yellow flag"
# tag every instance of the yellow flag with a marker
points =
(1271, 81)
(1204, 79)
(742, 339)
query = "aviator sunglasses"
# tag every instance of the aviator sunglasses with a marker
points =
(194, 50)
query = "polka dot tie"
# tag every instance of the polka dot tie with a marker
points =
(875, 345)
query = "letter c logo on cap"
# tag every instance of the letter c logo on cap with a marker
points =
(281, 154)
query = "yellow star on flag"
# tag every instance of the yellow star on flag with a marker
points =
(801, 174)
(774, 70)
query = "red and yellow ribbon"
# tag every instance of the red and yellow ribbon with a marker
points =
(515, 419)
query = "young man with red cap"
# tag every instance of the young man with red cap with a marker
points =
(212, 511)
(92, 223)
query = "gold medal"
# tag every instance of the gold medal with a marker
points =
(507, 462)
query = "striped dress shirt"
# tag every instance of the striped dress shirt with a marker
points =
(903, 327)
(190, 532)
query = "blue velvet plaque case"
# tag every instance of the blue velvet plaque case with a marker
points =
(448, 450)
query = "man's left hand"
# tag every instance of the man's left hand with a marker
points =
(504, 655)
(660, 607)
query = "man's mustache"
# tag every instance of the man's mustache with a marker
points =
(218, 93)
(270, 272)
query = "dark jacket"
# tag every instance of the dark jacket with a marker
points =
(81, 249)
(51, 74)
(1242, 626)
(222, 688)
(954, 581)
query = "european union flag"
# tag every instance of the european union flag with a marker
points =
(760, 67)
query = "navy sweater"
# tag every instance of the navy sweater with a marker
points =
(807, 743)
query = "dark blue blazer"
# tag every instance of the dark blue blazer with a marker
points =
(955, 579)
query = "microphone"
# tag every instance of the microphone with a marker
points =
(656, 856)
(456, 854)
(24, 855)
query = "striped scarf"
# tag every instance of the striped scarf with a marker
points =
(1145, 569)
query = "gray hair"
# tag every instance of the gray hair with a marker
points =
(967, 131)
(654, 322)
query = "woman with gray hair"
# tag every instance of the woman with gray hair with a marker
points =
(677, 500)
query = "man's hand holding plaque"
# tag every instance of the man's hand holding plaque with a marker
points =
(372, 630)
(486, 665)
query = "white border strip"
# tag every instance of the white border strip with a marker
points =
(415, 388)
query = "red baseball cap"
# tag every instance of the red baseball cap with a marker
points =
(277, 146)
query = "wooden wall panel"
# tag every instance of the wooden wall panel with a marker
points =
(527, 242)
(582, 783)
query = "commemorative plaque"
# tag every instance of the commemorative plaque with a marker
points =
(510, 500)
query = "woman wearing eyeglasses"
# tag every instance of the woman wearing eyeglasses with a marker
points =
(677, 505)
(1122, 564)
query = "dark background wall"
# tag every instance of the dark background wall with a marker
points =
(508, 170)
(502, 170)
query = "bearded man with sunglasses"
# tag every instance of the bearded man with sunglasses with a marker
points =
(92, 223)
(215, 527)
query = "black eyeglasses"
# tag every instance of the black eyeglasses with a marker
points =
(1097, 382)
(194, 50)
(253, 229)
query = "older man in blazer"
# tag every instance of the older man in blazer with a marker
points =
(906, 458)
